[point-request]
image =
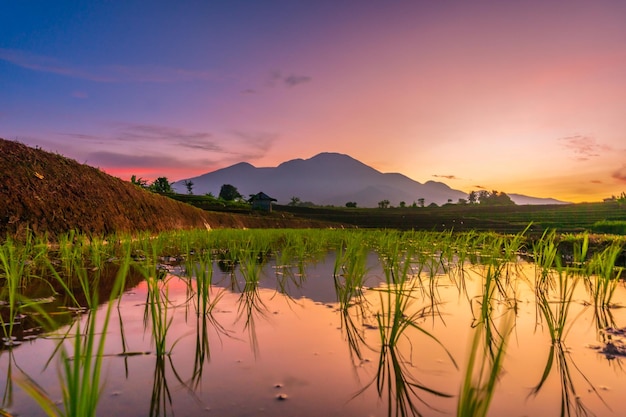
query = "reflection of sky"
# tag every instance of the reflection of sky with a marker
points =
(302, 346)
(523, 97)
(316, 283)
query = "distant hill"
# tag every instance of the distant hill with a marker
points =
(331, 179)
(50, 194)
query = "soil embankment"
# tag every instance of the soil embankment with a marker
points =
(51, 194)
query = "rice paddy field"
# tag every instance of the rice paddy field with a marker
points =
(313, 322)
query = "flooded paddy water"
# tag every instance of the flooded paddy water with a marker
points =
(365, 324)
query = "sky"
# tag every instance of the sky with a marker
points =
(523, 97)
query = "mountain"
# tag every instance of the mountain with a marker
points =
(521, 200)
(328, 179)
(49, 195)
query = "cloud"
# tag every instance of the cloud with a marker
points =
(166, 134)
(293, 80)
(480, 187)
(620, 173)
(153, 134)
(448, 177)
(585, 147)
(104, 74)
(117, 160)
(290, 80)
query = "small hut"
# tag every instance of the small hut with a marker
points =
(261, 201)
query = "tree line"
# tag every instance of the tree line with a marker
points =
(229, 192)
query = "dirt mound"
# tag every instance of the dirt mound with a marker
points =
(49, 193)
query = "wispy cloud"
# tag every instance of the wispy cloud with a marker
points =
(291, 80)
(620, 173)
(167, 134)
(585, 147)
(117, 160)
(104, 74)
(448, 177)
(152, 134)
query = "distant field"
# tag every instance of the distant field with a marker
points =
(505, 219)
(565, 218)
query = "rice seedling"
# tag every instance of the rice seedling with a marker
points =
(349, 271)
(484, 366)
(395, 376)
(81, 366)
(12, 264)
(604, 275)
(554, 299)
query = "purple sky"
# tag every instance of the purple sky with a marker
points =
(523, 97)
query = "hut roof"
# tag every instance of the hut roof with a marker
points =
(261, 196)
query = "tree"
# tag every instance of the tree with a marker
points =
(402, 204)
(161, 185)
(421, 201)
(472, 197)
(491, 198)
(383, 204)
(462, 202)
(229, 192)
(295, 201)
(189, 185)
(351, 204)
(139, 181)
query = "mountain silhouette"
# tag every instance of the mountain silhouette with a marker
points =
(330, 179)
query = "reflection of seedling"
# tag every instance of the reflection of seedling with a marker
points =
(571, 401)
(395, 376)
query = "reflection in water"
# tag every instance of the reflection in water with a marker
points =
(571, 402)
(554, 294)
(399, 322)
(328, 319)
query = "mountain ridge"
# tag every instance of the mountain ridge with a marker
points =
(331, 178)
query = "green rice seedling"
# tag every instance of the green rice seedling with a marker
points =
(81, 366)
(546, 258)
(555, 310)
(483, 368)
(349, 272)
(604, 275)
(15, 262)
(12, 265)
(395, 376)
(156, 313)
(200, 267)
(494, 324)
(555, 313)
(250, 303)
